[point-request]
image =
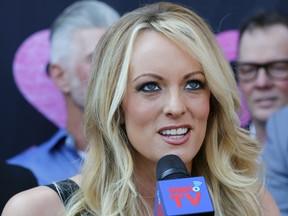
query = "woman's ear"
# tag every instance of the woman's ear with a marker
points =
(60, 77)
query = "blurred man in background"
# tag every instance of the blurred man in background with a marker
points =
(262, 73)
(276, 160)
(74, 36)
(262, 69)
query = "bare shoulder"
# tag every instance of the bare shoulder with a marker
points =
(269, 204)
(40, 200)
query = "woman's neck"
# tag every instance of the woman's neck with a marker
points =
(145, 180)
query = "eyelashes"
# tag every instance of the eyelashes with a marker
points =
(195, 85)
(148, 87)
(152, 86)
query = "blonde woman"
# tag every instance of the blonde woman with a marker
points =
(159, 85)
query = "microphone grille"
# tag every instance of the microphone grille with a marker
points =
(171, 167)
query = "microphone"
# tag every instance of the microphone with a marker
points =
(177, 193)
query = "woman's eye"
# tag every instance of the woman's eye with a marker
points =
(194, 85)
(149, 87)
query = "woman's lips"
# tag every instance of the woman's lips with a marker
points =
(176, 138)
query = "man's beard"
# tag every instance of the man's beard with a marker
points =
(78, 93)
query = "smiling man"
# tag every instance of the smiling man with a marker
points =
(262, 69)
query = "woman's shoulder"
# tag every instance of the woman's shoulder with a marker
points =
(40, 200)
(269, 205)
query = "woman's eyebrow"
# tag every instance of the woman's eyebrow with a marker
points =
(194, 73)
(149, 74)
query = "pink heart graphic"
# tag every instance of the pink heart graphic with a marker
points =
(29, 70)
(228, 40)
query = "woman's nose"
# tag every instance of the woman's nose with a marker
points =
(174, 105)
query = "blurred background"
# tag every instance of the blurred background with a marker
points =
(31, 108)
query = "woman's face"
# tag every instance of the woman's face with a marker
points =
(166, 105)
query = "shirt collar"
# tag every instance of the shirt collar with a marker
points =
(61, 137)
(252, 131)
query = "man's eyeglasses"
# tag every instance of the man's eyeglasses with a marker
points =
(275, 70)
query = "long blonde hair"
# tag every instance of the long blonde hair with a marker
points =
(227, 158)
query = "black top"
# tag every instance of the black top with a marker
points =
(65, 189)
